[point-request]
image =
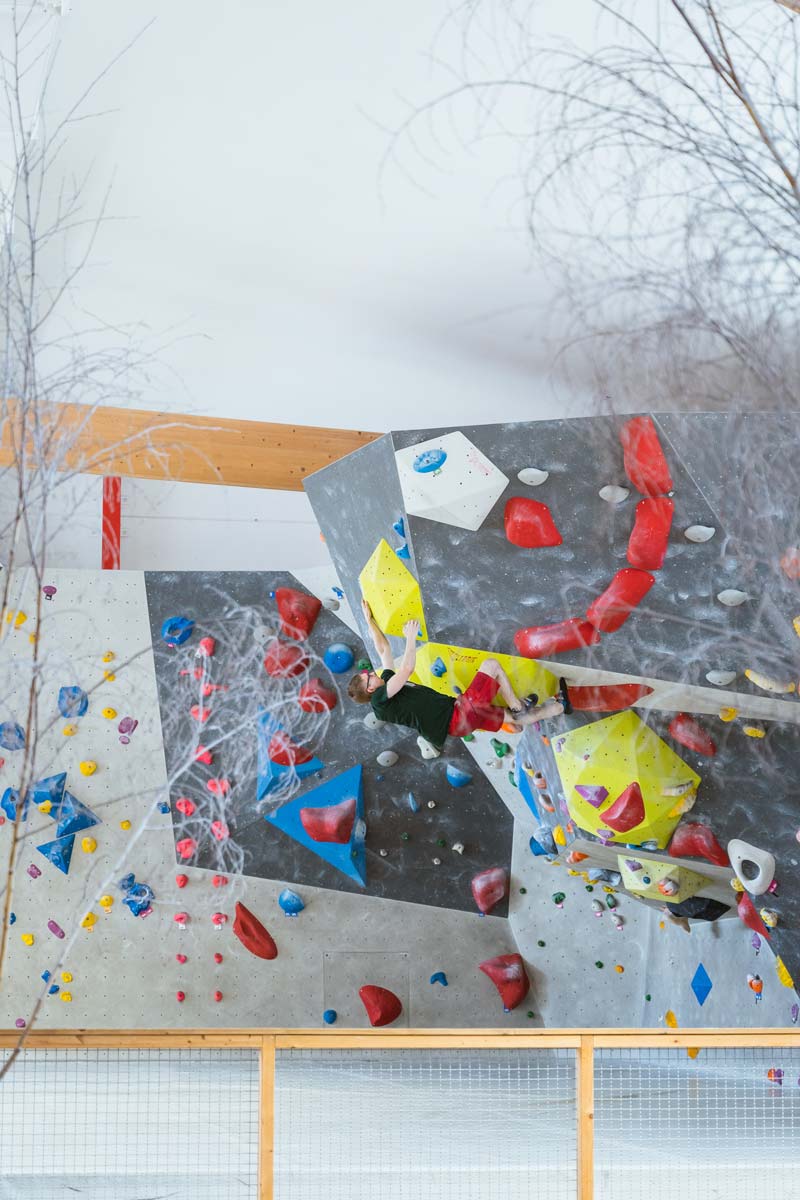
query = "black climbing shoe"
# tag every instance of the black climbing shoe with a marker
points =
(563, 695)
(530, 701)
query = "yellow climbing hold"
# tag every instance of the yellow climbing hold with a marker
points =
(670, 1019)
(19, 619)
(88, 921)
(109, 656)
(88, 845)
(571, 872)
(124, 824)
(88, 767)
(109, 713)
(69, 730)
(728, 714)
(66, 997)
(66, 976)
(783, 975)
(106, 902)
(796, 624)
(754, 731)
(27, 938)
(32, 638)
(109, 675)
(737, 884)
(619, 969)
(45, 807)
(559, 837)
(693, 1051)
(767, 684)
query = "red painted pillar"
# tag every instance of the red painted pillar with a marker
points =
(112, 514)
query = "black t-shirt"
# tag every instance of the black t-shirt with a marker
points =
(699, 908)
(421, 708)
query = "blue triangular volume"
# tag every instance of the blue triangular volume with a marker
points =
(701, 984)
(270, 774)
(59, 852)
(525, 789)
(350, 858)
(51, 788)
(74, 816)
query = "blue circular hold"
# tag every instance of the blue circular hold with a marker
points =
(12, 736)
(329, 1016)
(177, 630)
(290, 902)
(645, 879)
(430, 460)
(339, 658)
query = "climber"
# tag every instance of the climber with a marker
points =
(433, 715)
(696, 908)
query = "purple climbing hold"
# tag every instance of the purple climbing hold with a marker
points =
(127, 725)
(593, 793)
(795, 1013)
(34, 871)
(55, 928)
(49, 591)
(20, 1022)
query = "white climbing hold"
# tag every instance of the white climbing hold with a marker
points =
(612, 494)
(383, 853)
(740, 852)
(533, 476)
(387, 758)
(458, 847)
(437, 862)
(732, 597)
(720, 678)
(331, 603)
(699, 533)
(431, 804)
(372, 721)
(426, 749)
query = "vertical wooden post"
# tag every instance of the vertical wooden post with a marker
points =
(586, 1118)
(266, 1125)
(112, 517)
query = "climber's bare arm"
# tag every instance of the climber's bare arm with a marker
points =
(379, 640)
(406, 669)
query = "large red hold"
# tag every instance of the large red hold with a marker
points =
(382, 1006)
(647, 545)
(627, 811)
(530, 524)
(298, 612)
(252, 934)
(507, 973)
(612, 609)
(607, 697)
(286, 753)
(315, 697)
(332, 824)
(282, 660)
(489, 887)
(645, 464)
(690, 733)
(539, 641)
(749, 914)
(694, 839)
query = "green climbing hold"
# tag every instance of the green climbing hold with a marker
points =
(523, 891)
(404, 837)
(612, 902)
(541, 943)
(648, 997)
(558, 897)
(501, 749)
(598, 964)
(363, 664)
(468, 737)
(441, 841)
(511, 779)
(531, 1015)
(589, 887)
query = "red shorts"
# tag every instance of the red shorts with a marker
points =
(474, 708)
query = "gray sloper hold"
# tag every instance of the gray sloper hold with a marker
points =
(699, 533)
(372, 721)
(387, 758)
(732, 597)
(532, 476)
(613, 494)
(720, 678)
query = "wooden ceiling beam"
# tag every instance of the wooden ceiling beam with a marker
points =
(174, 446)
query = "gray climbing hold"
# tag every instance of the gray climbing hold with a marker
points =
(387, 758)
(699, 533)
(532, 476)
(612, 494)
(732, 597)
(720, 678)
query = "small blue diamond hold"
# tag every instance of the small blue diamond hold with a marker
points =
(701, 984)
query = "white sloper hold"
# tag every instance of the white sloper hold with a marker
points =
(387, 758)
(372, 721)
(533, 476)
(699, 533)
(732, 597)
(612, 494)
(720, 678)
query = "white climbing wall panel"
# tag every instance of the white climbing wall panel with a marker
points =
(448, 479)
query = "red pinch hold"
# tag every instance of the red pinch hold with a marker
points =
(695, 840)
(540, 641)
(645, 464)
(507, 973)
(749, 915)
(647, 545)
(612, 609)
(530, 524)
(627, 811)
(382, 1006)
(489, 888)
(332, 824)
(610, 697)
(252, 934)
(298, 612)
(690, 733)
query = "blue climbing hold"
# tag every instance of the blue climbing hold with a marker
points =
(337, 591)
(439, 977)
(339, 658)
(544, 836)
(137, 896)
(163, 807)
(290, 902)
(536, 847)
(59, 852)
(51, 991)
(430, 461)
(329, 1016)
(72, 701)
(400, 528)
(9, 803)
(412, 802)
(438, 668)
(456, 777)
(348, 857)
(46, 976)
(404, 552)
(12, 918)
(701, 984)
(177, 630)
(12, 736)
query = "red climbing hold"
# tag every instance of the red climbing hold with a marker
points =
(611, 697)
(286, 753)
(314, 697)
(252, 934)
(218, 957)
(507, 973)
(539, 641)
(219, 787)
(185, 805)
(186, 847)
(217, 996)
(612, 609)
(529, 523)
(627, 811)
(200, 714)
(283, 660)
(645, 464)
(748, 913)
(181, 958)
(206, 646)
(181, 880)
(331, 824)
(220, 830)
(382, 1006)
(647, 545)
(219, 881)
(689, 733)
(490, 887)
(298, 612)
(694, 839)
(203, 755)
(180, 997)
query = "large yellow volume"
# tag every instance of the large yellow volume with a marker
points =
(392, 591)
(446, 668)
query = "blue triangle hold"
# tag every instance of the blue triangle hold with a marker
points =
(51, 788)
(400, 528)
(59, 852)
(74, 816)
(348, 857)
(404, 552)
(701, 984)
(270, 774)
(526, 791)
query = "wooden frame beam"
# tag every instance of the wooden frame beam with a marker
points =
(173, 446)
